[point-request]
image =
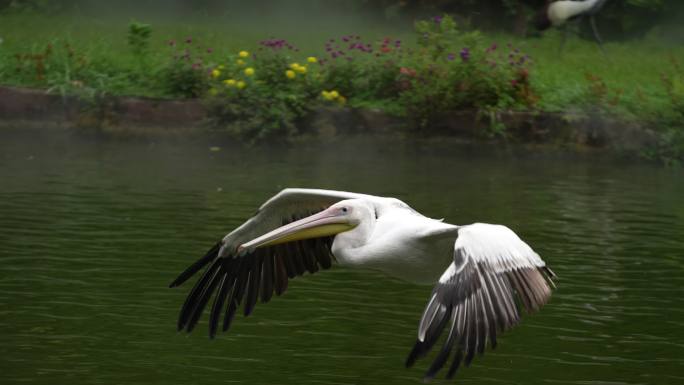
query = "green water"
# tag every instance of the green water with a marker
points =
(92, 231)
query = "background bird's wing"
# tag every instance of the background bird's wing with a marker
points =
(241, 278)
(475, 297)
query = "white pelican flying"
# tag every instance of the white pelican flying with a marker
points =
(477, 269)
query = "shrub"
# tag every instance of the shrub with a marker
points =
(139, 38)
(263, 95)
(185, 75)
(451, 70)
(455, 71)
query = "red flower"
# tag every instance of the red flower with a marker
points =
(407, 71)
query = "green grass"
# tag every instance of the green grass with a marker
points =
(627, 80)
(633, 69)
(632, 74)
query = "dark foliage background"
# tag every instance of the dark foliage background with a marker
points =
(620, 19)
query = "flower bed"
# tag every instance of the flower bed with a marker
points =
(265, 93)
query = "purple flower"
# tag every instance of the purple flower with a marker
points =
(172, 43)
(492, 47)
(209, 50)
(188, 40)
(465, 54)
(451, 57)
(437, 19)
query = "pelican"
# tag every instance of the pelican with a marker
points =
(477, 270)
(557, 13)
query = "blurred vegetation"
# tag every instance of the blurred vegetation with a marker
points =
(620, 18)
(370, 55)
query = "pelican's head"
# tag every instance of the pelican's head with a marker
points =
(338, 218)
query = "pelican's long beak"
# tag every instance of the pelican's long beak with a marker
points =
(327, 222)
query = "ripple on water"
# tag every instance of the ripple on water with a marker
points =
(93, 232)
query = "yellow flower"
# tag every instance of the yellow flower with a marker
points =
(220, 66)
(241, 84)
(215, 73)
(213, 91)
(243, 54)
(290, 74)
(301, 69)
(229, 82)
(332, 95)
(294, 66)
(249, 71)
(311, 59)
(240, 62)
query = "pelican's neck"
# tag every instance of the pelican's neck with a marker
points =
(346, 244)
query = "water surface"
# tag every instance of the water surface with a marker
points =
(93, 230)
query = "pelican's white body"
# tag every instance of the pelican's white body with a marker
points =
(397, 243)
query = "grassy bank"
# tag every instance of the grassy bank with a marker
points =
(410, 73)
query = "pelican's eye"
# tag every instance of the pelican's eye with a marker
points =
(344, 209)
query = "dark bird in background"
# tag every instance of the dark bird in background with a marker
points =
(558, 13)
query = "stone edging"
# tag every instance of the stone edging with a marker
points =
(144, 116)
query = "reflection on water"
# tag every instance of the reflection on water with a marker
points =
(92, 232)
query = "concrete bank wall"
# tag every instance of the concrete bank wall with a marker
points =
(154, 116)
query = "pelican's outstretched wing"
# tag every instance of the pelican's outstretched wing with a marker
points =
(475, 295)
(247, 275)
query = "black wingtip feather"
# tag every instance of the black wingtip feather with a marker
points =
(444, 353)
(218, 305)
(414, 354)
(253, 285)
(230, 314)
(195, 267)
(455, 364)
(203, 299)
(245, 279)
(197, 290)
(267, 279)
